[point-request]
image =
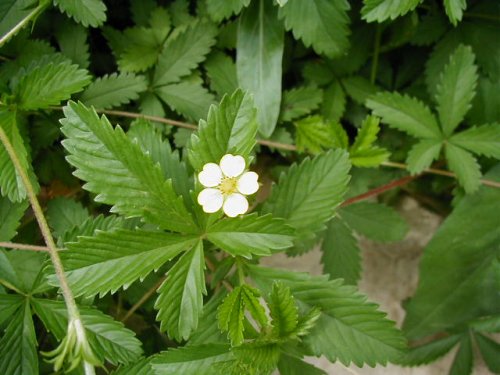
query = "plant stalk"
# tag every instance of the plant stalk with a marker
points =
(33, 14)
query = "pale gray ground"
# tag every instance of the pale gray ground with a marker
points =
(390, 275)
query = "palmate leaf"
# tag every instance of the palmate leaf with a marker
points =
(231, 127)
(185, 48)
(359, 88)
(314, 134)
(180, 300)
(108, 338)
(381, 10)
(63, 214)
(208, 331)
(18, 354)
(113, 90)
(363, 152)
(455, 10)
(142, 367)
(259, 55)
(308, 194)
(137, 49)
(299, 102)
(490, 351)
(221, 71)
(422, 154)
(321, 24)
(10, 217)
(251, 235)
(464, 358)
(9, 304)
(283, 310)
(119, 172)
(90, 226)
(349, 329)
(87, 12)
(222, 9)
(72, 40)
(456, 88)
(191, 360)
(405, 113)
(20, 270)
(481, 140)
(465, 166)
(460, 263)
(48, 84)
(111, 260)
(429, 352)
(289, 365)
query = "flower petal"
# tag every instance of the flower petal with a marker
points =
(211, 175)
(211, 200)
(232, 166)
(248, 183)
(235, 204)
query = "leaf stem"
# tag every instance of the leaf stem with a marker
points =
(33, 14)
(376, 53)
(73, 313)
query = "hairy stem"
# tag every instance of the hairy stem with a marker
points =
(73, 313)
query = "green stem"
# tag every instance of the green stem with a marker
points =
(376, 53)
(241, 273)
(73, 313)
(33, 14)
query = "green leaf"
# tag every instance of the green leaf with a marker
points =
(180, 300)
(190, 99)
(322, 24)
(283, 310)
(191, 360)
(9, 304)
(259, 55)
(381, 10)
(138, 49)
(48, 84)
(481, 140)
(142, 367)
(462, 364)
(108, 338)
(308, 194)
(113, 90)
(222, 9)
(363, 153)
(72, 40)
(111, 260)
(465, 166)
(489, 324)
(87, 12)
(334, 101)
(289, 365)
(185, 48)
(314, 134)
(231, 127)
(490, 351)
(299, 101)
(423, 154)
(63, 214)
(341, 256)
(350, 329)
(10, 217)
(119, 172)
(251, 235)
(208, 331)
(20, 270)
(375, 221)
(405, 113)
(18, 354)
(459, 264)
(456, 88)
(455, 10)
(12, 13)
(221, 71)
(359, 88)
(429, 352)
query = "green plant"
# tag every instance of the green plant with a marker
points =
(294, 90)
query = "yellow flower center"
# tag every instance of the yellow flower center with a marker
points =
(228, 185)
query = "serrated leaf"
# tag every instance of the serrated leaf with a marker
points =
(359, 88)
(422, 154)
(208, 331)
(259, 55)
(184, 50)
(180, 300)
(231, 127)
(490, 351)
(363, 153)
(462, 364)
(222, 9)
(108, 338)
(49, 84)
(63, 214)
(221, 71)
(118, 171)
(18, 354)
(87, 12)
(251, 235)
(456, 88)
(191, 360)
(350, 329)
(308, 194)
(299, 101)
(371, 157)
(9, 304)
(455, 10)
(405, 113)
(72, 40)
(137, 49)
(283, 310)
(20, 270)
(488, 324)
(341, 256)
(252, 358)
(429, 352)
(142, 367)
(12, 14)
(381, 10)
(481, 140)
(289, 365)
(90, 226)
(111, 260)
(375, 221)
(314, 134)
(10, 217)
(113, 90)
(465, 166)
(321, 24)
(334, 101)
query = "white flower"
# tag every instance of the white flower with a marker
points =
(226, 186)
